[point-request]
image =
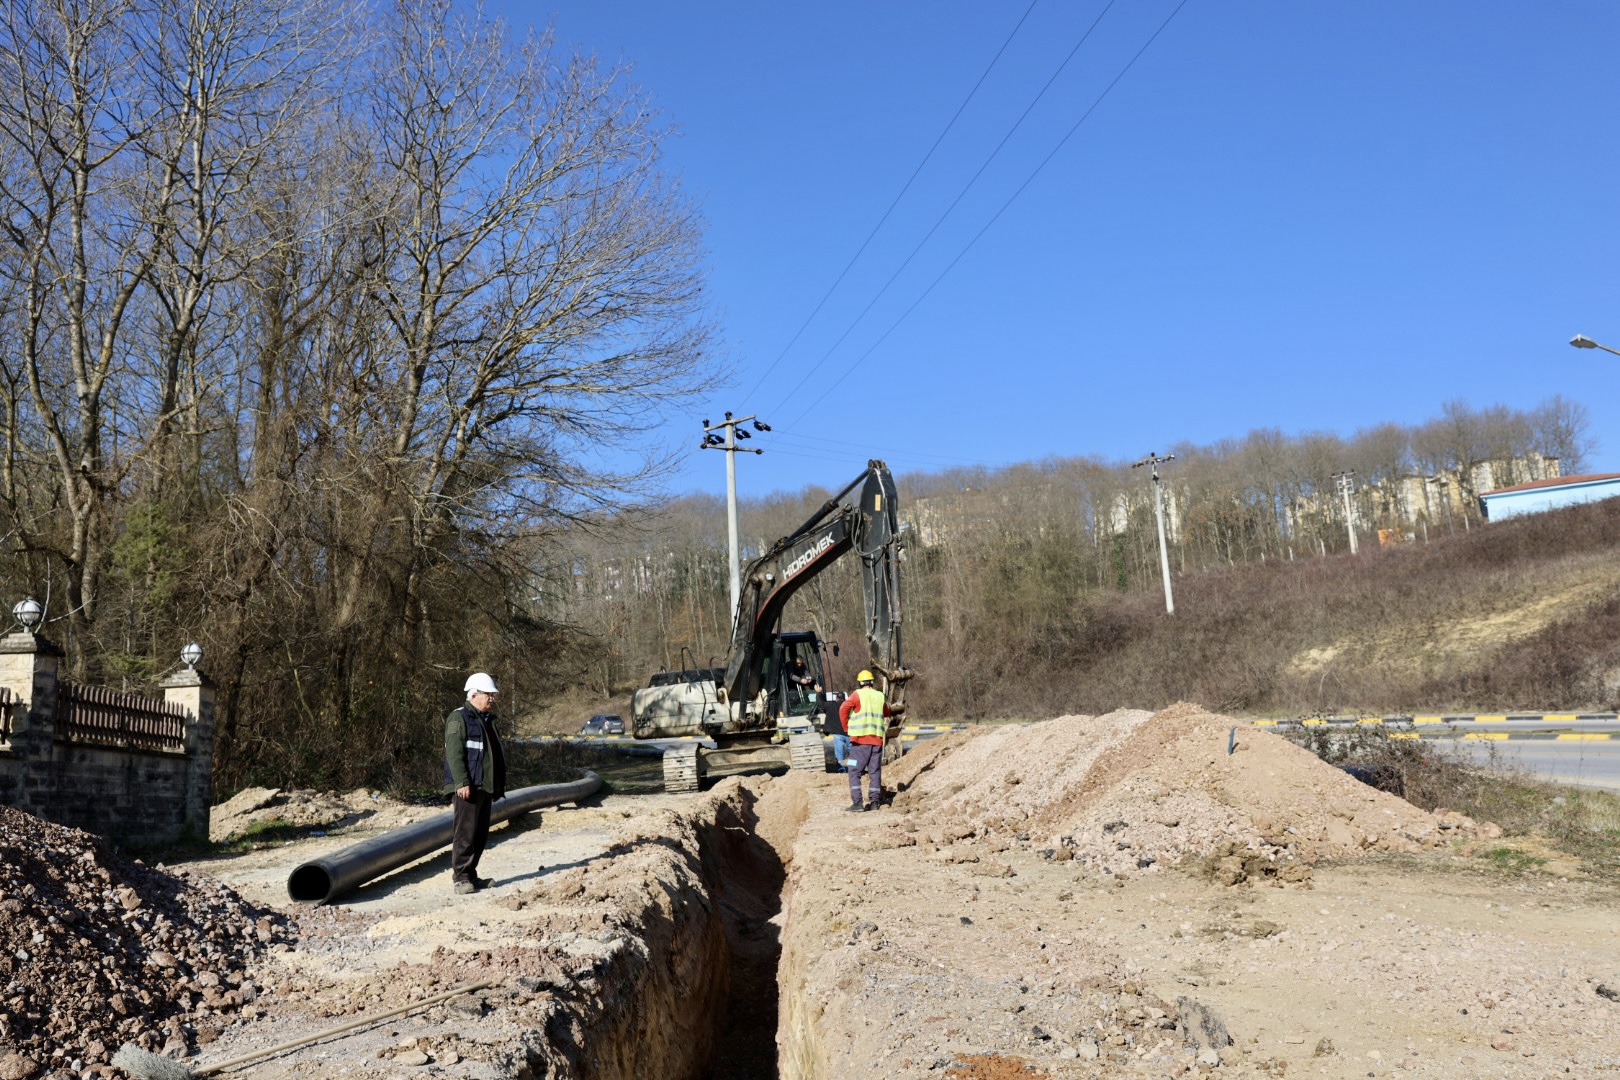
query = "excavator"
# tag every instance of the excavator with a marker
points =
(749, 710)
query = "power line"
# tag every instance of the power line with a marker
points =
(905, 188)
(994, 218)
(867, 448)
(899, 459)
(960, 195)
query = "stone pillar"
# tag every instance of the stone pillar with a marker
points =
(195, 692)
(28, 669)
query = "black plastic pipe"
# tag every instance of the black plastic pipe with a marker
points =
(323, 880)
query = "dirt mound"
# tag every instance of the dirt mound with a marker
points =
(1129, 793)
(308, 810)
(923, 756)
(96, 950)
(994, 780)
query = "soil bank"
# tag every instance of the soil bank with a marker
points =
(1088, 897)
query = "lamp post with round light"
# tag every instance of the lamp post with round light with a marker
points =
(28, 614)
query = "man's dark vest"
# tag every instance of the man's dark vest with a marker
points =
(830, 722)
(477, 745)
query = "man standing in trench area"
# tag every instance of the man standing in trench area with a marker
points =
(475, 772)
(863, 715)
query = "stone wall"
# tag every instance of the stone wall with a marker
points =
(122, 793)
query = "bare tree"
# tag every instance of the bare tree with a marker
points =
(130, 133)
(1563, 430)
(536, 274)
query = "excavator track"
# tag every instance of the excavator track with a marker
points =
(807, 750)
(681, 769)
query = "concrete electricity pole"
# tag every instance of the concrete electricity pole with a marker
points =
(1153, 460)
(1346, 482)
(713, 440)
(1445, 497)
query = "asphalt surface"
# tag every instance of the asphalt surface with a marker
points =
(1589, 763)
(1566, 748)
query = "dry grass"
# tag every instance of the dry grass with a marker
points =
(1583, 823)
(1519, 615)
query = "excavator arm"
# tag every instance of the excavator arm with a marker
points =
(868, 526)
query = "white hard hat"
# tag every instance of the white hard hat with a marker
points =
(479, 683)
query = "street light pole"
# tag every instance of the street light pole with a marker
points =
(1581, 341)
(1346, 482)
(713, 440)
(1153, 460)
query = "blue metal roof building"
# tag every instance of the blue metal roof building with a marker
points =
(1539, 495)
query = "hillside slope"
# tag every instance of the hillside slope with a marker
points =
(1523, 614)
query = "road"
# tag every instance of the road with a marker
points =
(1566, 748)
(1591, 763)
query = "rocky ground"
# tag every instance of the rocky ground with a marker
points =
(96, 950)
(1129, 895)
(311, 813)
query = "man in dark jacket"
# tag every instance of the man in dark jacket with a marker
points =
(833, 724)
(475, 774)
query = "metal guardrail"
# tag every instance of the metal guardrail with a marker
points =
(92, 714)
(1494, 727)
(1477, 718)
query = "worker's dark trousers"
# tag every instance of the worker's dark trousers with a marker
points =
(469, 833)
(868, 760)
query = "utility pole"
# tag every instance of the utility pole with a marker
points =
(1153, 460)
(1347, 484)
(1445, 498)
(713, 440)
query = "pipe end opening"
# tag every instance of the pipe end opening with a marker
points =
(309, 884)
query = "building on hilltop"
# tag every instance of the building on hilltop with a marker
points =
(1549, 494)
(1399, 506)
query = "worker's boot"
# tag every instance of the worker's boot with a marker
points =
(854, 808)
(463, 888)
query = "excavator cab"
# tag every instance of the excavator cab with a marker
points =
(794, 675)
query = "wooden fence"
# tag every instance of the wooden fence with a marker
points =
(95, 715)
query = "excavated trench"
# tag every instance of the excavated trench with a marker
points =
(697, 897)
(747, 879)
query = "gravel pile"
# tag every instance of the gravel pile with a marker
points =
(96, 950)
(1133, 792)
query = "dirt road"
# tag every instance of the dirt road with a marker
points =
(912, 957)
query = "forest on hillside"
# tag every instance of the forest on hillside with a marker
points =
(1019, 582)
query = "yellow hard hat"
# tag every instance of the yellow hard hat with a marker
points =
(864, 676)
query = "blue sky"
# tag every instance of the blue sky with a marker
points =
(1310, 216)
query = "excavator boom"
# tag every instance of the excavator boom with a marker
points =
(870, 527)
(737, 709)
